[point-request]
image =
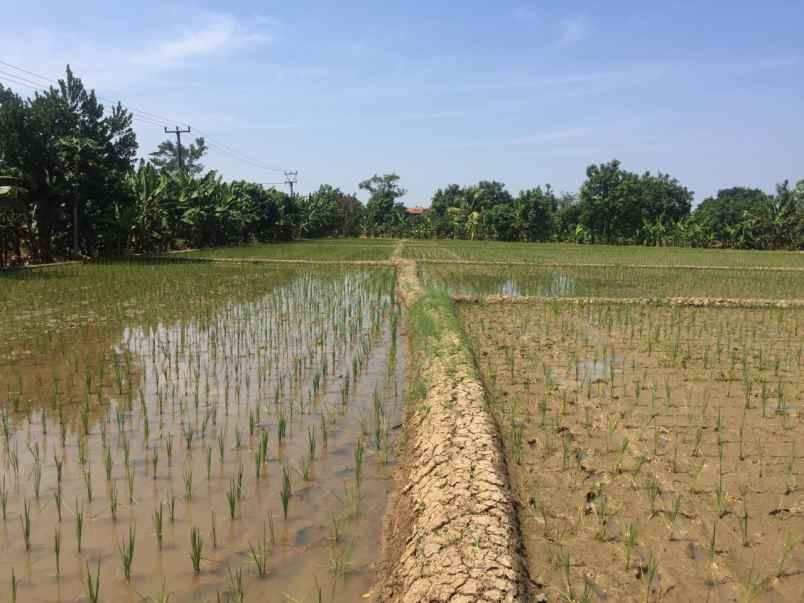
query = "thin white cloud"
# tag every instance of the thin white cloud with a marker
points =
(219, 33)
(573, 31)
(556, 136)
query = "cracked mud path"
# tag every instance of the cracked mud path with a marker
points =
(452, 532)
(698, 302)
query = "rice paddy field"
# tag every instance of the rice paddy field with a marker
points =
(655, 452)
(198, 431)
(195, 430)
(540, 253)
(615, 281)
(329, 250)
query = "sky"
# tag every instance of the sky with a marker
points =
(441, 92)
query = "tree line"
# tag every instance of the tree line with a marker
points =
(71, 186)
(616, 206)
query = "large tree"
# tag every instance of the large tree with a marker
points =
(617, 206)
(380, 215)
(72, 157)
(721, 216)
(535, 209)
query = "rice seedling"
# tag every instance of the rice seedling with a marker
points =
(260, 555)
(746, 541)
(214, 530)
(4, 499)
(359, 454)
(108, 464)
(188, 482)
(130, 475)
(196, 549)
(87, 475)
(126, 550)
(157, 518)
(79, 524)
(25, 524)
(93, 584)
(340, 560)
(564, 562)
(154, 462)
(221, 448)
(713, 541)
(57, 549)
(653, 567)
(232, 496)
(236, 589)
(629, 543)
(790, 542)
(285, 491)
(675, 511)
(113, 502)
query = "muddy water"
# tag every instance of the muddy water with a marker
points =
(221, 381)
(502, 281)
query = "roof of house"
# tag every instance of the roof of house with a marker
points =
(417, 211)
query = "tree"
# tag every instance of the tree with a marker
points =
(721, 217)
(72, 157)
(500, 222)
(349, 215)
(384, 191)
(485, 195)
(534, 213)
(616, 206)
(318, 212)
(166, 156)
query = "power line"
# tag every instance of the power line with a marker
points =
(146, 117)
(14, 79)
(19, 83)
(227, 149)
(50, 81)
(22, 79)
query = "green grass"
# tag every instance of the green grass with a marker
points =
(537, 253)
(611, 281)
(322, 249)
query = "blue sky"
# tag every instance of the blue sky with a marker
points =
(526, 92)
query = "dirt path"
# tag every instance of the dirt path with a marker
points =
(452, 531)
(399, 250)
(699, 302)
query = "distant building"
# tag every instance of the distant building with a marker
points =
(417, 211)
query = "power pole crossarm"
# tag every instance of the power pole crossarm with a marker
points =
(178, 132)
(291, 178)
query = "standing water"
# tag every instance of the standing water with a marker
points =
(240, 451)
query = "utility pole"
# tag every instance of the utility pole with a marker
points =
(178, 132)
(291, 178)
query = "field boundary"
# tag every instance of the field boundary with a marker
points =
(37, 266)
(697, 302)
(451, 528)
(610, 265)
(209, 259)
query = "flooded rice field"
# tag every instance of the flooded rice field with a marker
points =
(610, 281)
(193, 433)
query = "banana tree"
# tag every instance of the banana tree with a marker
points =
(148, 226)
